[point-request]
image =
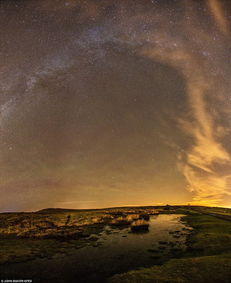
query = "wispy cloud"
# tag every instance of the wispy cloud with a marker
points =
(217, 11)
(199, 165)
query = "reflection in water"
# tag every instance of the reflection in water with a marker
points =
(119, 250)
(112, 251)
(140, 225)
(166, 232)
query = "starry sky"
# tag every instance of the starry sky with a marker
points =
(114, 103)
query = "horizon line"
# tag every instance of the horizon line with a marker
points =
(113, 207)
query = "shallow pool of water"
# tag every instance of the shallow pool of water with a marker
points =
(113, 251)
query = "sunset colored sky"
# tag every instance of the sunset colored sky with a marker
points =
(114, 102)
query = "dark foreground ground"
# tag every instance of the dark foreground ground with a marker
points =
(37, 246)
(207, 259)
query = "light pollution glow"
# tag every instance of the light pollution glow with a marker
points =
(114, 103)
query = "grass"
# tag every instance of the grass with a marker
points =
(213, 235)
(208, 258)
(27, 236)
(197, 269)
(15, 250)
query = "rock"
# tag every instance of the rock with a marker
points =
(155, 256)
(163, 242)
(161, 247)
(176, 236)
(93, 238)
(176, 250)
(153, 251)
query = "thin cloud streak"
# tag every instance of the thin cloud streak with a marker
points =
(219, 16)
(198, 165)
(190, 38)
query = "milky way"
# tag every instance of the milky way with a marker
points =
(112, 103)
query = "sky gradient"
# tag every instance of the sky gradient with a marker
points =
(113, 103)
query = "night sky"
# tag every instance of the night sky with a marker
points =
(114, 102)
